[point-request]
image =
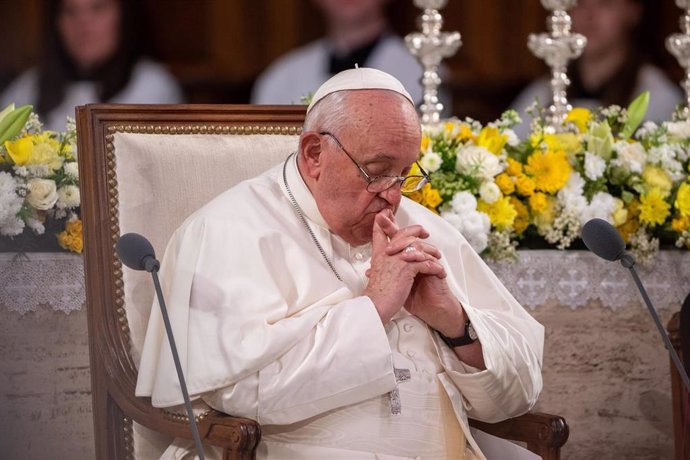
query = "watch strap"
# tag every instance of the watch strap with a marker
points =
(464, 339)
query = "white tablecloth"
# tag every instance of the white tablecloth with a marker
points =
(571, 278)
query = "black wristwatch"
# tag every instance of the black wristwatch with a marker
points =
(470, 336)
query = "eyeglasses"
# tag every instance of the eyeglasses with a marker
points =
(378, 184)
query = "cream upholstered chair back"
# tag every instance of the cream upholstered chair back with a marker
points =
(144, 169)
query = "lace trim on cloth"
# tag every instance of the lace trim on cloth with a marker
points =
(41, 279)
(572, 278)
(576, 278)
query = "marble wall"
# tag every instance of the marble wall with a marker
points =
(605, 371)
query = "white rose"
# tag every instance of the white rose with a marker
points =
(478, 162)
(68, 197)
(42, 194)
(489, 192)
(72, 169)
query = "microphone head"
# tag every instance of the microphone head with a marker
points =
(603, 239)
(133, 249)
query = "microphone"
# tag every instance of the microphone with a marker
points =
(603, 239)
(136, 252)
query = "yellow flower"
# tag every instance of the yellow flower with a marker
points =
(653, 209)
(36, 149)
(501, 212)
(491, 139)
(20, 150)
(620, 214)
(465, 132)
(514, 167)
(525, 185)
(431, 197)
(505, 183)
(71, 238)
(656, 178)
(550, 170)
(544, 220)
(632, 224)
(579, 117)
(567, 142)
(521, 221)
(425, 143)
(682, 203)
(680, 224)
(538, 202)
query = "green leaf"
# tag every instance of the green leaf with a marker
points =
(636, 112)
(13, 122)
(6, 110)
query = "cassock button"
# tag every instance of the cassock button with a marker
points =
(359, 257)
(411, 353)
(407, 327)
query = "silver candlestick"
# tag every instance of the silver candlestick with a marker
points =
(431, 46)
(557, 48)
(679, 46)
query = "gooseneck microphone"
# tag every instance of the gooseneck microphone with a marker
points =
(603, 239)
(136, 252)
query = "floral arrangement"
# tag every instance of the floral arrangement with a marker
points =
(501, 192)
(39, 178)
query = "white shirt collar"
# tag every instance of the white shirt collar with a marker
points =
(302, 194)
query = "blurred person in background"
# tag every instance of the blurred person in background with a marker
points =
(614, 67)
(92, 53)
(358, 32)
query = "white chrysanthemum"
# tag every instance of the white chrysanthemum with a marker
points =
(665, 157)
(478, 162)
(463, 202)
(595, 166)
(647, 128)
(571, 196)
(474, 226)
(602, 206)
(678, 130)
(68, 197)
(36, 225)
(10, 205)
(431, 161)
(631, 156)
(489, 192)
(512, 139)
(575, 184)
(72, 169)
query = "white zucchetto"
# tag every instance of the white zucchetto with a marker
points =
(359, 78)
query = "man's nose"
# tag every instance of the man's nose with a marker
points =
(392, 194)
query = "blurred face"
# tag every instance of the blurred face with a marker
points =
(383, 136)
(607, 24)
(350, 11)
(89, 30)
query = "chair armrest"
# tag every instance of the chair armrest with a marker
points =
(238, 436)
(544, 434)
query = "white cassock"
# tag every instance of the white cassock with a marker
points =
(265, 330)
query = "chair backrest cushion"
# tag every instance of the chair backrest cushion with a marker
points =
(163, 178)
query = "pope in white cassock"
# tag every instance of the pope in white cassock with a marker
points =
(351, 322)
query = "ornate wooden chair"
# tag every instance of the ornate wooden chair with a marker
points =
(680, 339)
(144, 169)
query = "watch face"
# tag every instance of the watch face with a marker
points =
(471, 332)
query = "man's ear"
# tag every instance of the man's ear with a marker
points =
(310, 154)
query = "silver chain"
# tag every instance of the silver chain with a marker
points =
(300, 213)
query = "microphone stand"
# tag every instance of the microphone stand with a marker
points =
(152, 268)
(629, 262)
